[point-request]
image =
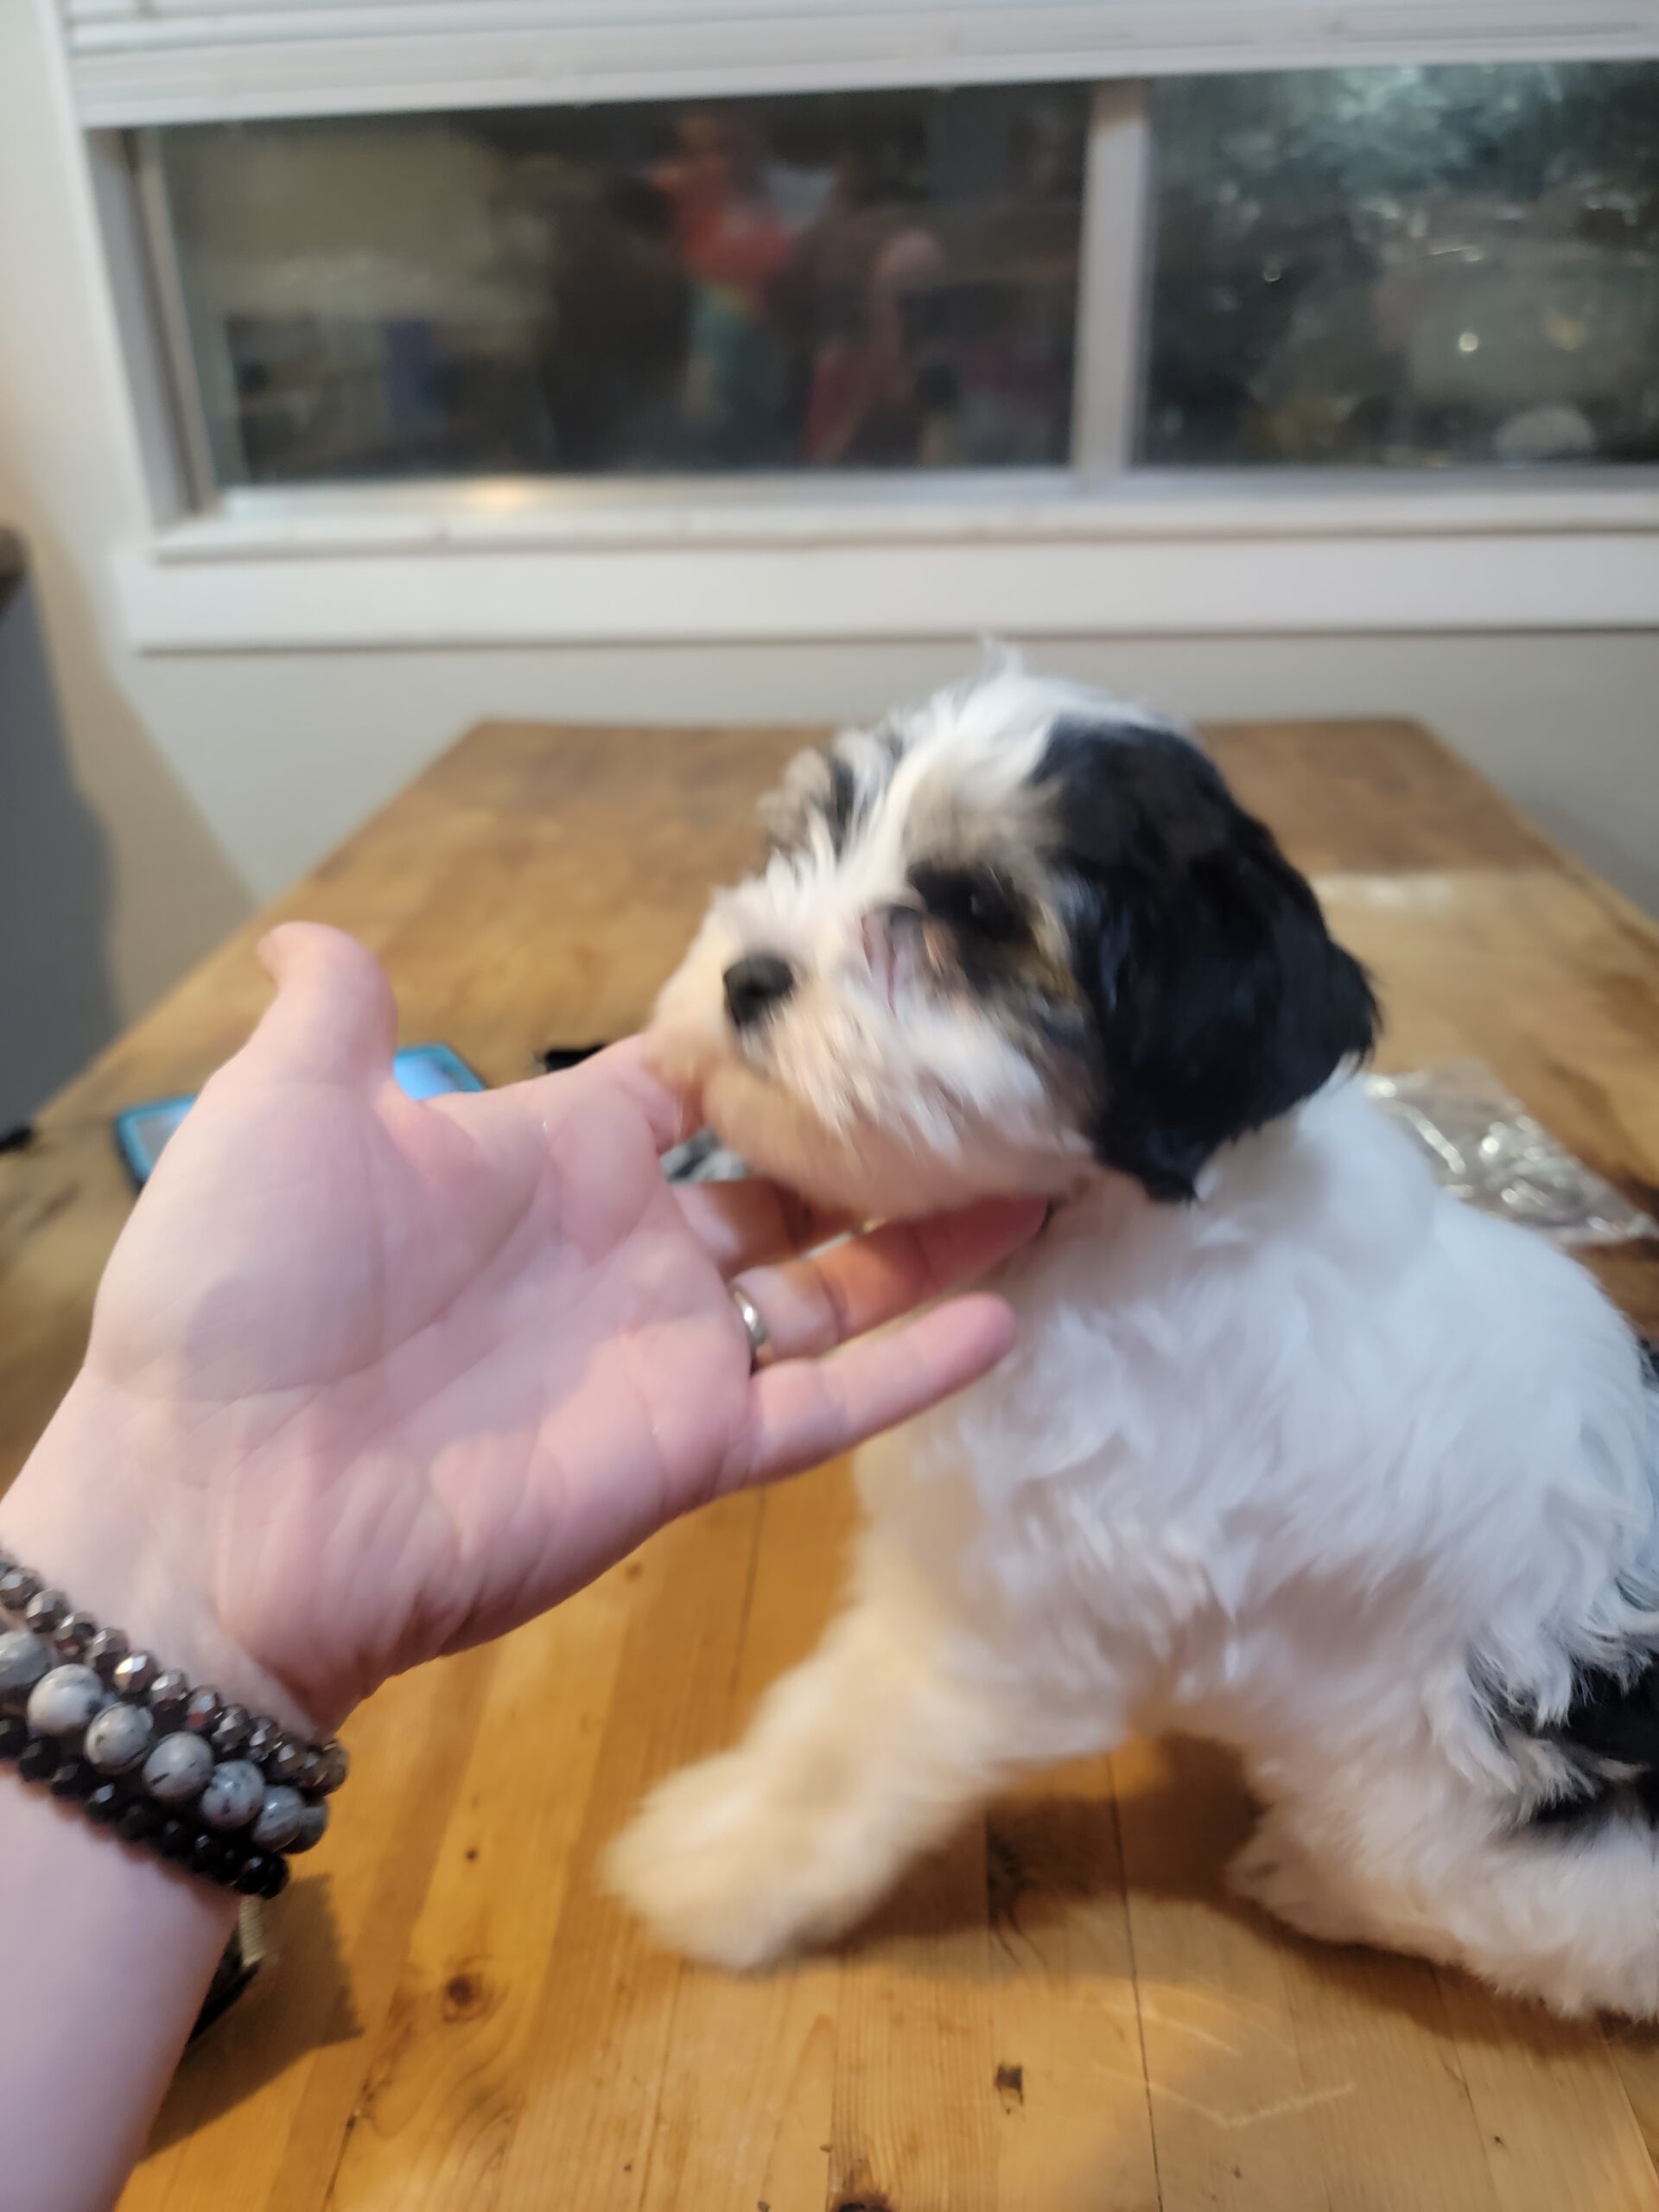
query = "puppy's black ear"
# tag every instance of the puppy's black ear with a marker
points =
(1219, 998)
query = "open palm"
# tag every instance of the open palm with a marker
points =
(404, 1374)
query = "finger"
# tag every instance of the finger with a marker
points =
(740, 1225)
(671, 1118)
(333, 1014)
(807, 1411)
(812, 1305)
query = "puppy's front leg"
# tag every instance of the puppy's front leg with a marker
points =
(867, 1755)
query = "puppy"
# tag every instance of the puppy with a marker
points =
(1294, 1451)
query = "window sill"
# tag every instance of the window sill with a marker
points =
(509, 565)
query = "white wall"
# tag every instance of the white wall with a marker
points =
(126, 885)
(284, 753)
(214, 777)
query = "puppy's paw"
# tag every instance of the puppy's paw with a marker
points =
(1273, 1872)
(717, 1869)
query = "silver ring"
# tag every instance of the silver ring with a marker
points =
(760, 1336)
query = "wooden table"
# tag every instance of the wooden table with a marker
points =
(1062, 2014)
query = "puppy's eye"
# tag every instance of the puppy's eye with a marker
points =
(975, 900)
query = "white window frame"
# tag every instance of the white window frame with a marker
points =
(1100, 549)
(136, 62)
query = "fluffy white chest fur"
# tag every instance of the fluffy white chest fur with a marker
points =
(1315, 1462)
(1245, 1449)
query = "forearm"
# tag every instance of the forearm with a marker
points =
(110, 1950)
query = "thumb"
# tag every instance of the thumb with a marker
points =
(333, 1014)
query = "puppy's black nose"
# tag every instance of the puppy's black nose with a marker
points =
(755, 985)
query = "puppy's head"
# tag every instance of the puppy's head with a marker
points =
(1015, 934)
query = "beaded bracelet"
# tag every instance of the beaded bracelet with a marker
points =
(167, 1765)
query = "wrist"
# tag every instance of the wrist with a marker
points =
(125, 1541)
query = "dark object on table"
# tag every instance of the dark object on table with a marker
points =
(243, 1957)
(552, 1058)
(702, 1158)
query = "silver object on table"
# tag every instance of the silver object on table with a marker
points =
(1485, 1149)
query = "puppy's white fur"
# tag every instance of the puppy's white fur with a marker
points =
(1307, 1465)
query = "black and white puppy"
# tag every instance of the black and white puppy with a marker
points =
(1294, 1451)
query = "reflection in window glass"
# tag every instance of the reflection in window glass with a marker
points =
(1452, 265)
(878, 281)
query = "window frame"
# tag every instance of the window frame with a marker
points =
(133, 62)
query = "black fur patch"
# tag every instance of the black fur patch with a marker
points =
(1219, 997)
(1614, 1717)
(819, 787)
(840, 807)
(977, 902)
(1610, 1731)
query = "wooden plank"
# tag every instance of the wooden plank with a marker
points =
(448, 2079)
(1227, 2090)
(1375, 796)
(1283, 2074)
(1557, 2126)
(606, 2022)
(1074, 2132)
(1634, 2048)
(917, 2109)
(744, 2115)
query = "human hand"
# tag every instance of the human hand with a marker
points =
(370, 1379)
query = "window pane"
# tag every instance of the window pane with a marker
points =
(871, 281)
(1408, 266)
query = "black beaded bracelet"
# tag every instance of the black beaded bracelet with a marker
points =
(168, 1765)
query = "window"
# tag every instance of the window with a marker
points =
(1150, 318)
(1405, 267)
(1378, 268)
(875, 281)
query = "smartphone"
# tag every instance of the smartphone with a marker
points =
(142, 1132)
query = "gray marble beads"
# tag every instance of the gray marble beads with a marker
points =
(118, 1738)
(65, 1700)
(170, 1764)
(24, 1658)
(314, 1820)
(178, 1769)
(234, 1795)
(280, 1818)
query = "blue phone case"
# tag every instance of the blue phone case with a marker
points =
(141, 1132)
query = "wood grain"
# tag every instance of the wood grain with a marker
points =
(744, 2107)
(1062, 2013)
